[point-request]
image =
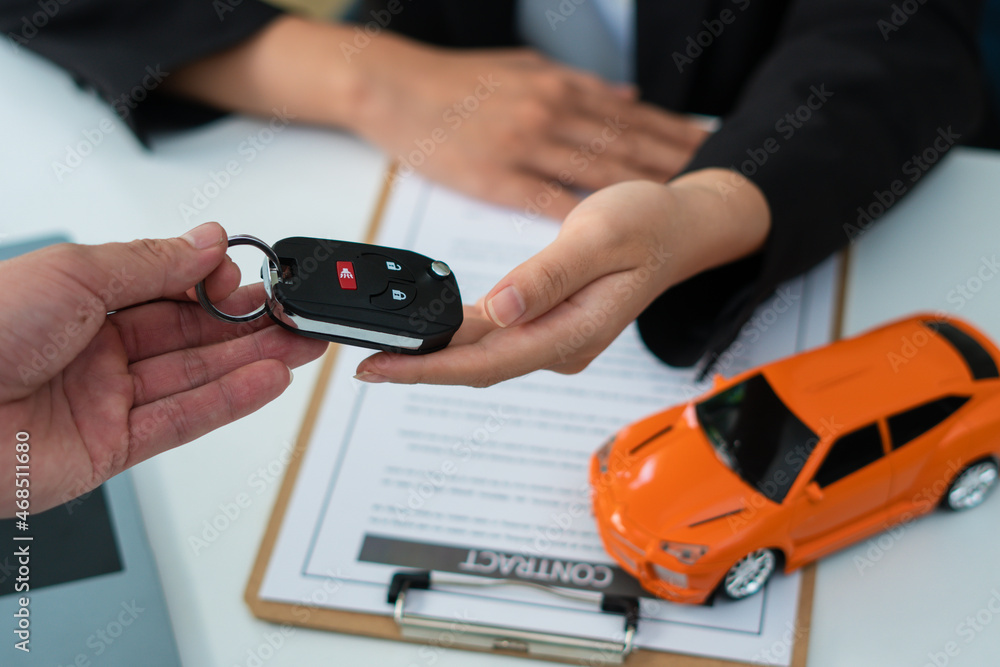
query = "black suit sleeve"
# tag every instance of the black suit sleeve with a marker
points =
(123, 50)
(844, 113)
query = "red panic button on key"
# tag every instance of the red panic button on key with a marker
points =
(345, 273)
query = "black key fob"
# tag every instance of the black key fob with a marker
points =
(363, 295)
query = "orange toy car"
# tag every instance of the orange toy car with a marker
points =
(791, 461)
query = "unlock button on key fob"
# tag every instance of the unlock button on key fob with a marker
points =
(395, 296)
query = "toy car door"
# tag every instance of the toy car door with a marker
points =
(853, 479)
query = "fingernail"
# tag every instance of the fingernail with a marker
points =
(291, 375)
(204, 236)
(506, 306)
(373, 378)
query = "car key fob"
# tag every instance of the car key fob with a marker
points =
(357, 294)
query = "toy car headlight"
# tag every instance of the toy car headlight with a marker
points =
(604, 453)
(685, 553)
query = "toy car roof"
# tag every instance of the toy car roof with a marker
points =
(856, 381)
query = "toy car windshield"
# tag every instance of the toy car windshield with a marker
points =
(757, 436)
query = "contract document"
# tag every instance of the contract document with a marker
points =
(488, 484)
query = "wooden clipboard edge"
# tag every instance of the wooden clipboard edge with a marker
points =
(384, 627)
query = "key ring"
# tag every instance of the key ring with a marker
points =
(238, 239)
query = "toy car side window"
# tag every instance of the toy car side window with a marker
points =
(850, 453)
(913, 423)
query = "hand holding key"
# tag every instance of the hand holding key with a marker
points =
(616, 252)
(355, 293)
(101, 392)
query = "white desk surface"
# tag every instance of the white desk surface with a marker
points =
(909, 602)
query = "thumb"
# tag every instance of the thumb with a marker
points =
(125, 274)
(559, 271)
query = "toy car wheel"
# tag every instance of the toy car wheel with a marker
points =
(749, 574)
(970, 488)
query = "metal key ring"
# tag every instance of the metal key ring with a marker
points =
(238, 239)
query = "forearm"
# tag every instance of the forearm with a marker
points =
(294, 64)
(715, 222)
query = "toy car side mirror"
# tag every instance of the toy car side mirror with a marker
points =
(813, 492)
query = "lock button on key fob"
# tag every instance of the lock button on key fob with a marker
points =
(363, 295)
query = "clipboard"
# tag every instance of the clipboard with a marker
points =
(401, 626)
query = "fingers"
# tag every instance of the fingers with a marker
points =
(610, 140)
(220, 283)
(565, 339)
(521, 189)
(592, 171)
(613, 140)
(124, 274)
(186, 369)
(591, 96)
(180, 418)
(575, 259)
(675, 128)
(560, 308)
(475, 325)
(469, 364)
(647, 119)
(156, 328)
(539, 296)
(610, 121)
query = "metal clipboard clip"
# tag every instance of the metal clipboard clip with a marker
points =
(495, 637)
